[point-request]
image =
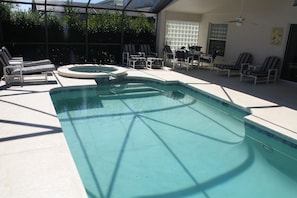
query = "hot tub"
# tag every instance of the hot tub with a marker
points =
(89, 71)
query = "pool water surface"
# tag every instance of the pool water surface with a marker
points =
(140, 139)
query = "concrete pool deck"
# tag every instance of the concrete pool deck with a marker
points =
(36, 162)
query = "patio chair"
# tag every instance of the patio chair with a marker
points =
(267, 72)
(132, 58)
(169, 56)
(183, 59)
(17, 72)
(209, 59)
(16, 60)
(235, 68)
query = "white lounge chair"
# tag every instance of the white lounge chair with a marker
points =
(17, 72)
(16, 60)
(132, 58)
(267, 72)
(146, 49)
(243, 58)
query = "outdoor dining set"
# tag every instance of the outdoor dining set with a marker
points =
(145, 58)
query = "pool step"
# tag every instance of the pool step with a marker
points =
(130, 92)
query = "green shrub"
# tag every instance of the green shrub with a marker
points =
(27, 19)
(72, 19)
(5, 11)
(70, 27)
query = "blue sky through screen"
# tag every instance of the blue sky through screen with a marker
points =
(26, 7)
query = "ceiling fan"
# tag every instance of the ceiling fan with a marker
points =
(240, 19)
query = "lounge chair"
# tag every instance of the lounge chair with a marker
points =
(17, 60)
(146, 49)
(235, 68)
(267, 72)
(132, 58)
(17, 72)
(152, 59)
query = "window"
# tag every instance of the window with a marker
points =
(181, 33)
(217, 38)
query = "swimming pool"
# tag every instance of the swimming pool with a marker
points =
(146, 139)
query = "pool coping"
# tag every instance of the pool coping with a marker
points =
(67, 72)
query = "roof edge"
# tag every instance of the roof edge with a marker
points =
(160, 6)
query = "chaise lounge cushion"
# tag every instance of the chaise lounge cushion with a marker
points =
(243, 58)
(10, 60)
(33, 69)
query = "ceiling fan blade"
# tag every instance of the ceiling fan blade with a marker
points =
(251, 23)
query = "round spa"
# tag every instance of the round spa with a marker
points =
(91, 71)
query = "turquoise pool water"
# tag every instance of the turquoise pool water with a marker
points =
(140, 139)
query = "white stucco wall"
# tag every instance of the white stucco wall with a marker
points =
(165, 15)
(254, 36)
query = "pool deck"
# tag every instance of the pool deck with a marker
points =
(36, 162)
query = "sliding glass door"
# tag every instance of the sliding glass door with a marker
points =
(289, 70)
